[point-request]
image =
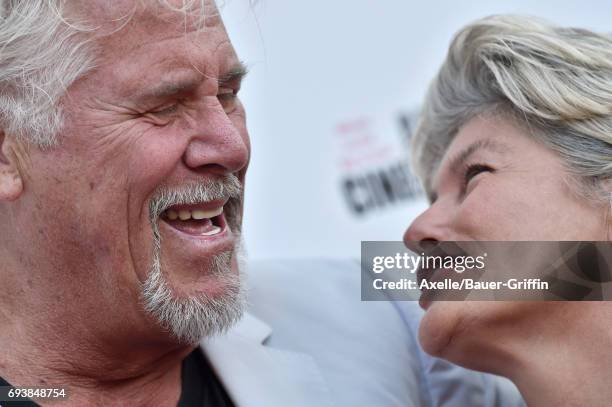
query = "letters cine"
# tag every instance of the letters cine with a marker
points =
(377, 189)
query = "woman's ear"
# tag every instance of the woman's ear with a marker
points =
(11, 181)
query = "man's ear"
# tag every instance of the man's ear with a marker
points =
(11, 182)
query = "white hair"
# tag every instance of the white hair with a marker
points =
(190, 318)
(43, 50)
(554, 82)
(40, 56)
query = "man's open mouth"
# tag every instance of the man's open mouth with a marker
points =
(204, 219)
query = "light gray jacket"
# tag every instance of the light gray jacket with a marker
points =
(309, 341)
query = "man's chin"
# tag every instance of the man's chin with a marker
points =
(204, 305)
(201, 281)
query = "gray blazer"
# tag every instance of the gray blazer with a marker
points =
(309, 341)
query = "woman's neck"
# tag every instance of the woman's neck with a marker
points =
(568, 364)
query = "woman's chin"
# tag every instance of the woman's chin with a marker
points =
(455, 330)
(478, 335)
(438, 326)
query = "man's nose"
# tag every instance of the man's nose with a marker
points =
(217, 145)
(431, 225)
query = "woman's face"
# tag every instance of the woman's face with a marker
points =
(496, 183)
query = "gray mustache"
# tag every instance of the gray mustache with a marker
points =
(227, 187)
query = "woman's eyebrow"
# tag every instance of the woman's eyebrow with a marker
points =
(460, 158)
(484, 144)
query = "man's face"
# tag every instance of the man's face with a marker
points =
(156, 126)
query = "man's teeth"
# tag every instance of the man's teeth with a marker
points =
(197, 214)
(213, 231)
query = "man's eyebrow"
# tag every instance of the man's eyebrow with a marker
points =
(235, 74)
(168, 88)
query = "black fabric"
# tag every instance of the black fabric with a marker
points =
(200, 386)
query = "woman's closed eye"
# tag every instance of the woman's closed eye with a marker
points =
(471, 172)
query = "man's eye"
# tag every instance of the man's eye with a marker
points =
(472, 171)
(228, 98)
(163, 115)
(166, 110)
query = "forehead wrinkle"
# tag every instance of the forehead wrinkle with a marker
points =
(230, 66)
(172, 73)
(224, 46)
(175, 54)
(194, 17)
(192, 37)
(184, 46)
(160, 82)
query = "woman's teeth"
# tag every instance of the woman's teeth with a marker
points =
(196, 214)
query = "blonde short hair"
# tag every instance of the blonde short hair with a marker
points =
(555, 81)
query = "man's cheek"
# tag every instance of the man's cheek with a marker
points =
(117, 140)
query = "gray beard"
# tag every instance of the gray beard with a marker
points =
(189, 319)
(192, 318)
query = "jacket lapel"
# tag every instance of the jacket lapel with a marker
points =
(256, 375)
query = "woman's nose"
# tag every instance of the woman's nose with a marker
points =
(431, 225)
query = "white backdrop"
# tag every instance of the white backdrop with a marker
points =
(333, 87)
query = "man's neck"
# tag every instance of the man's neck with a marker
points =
(92, 375)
